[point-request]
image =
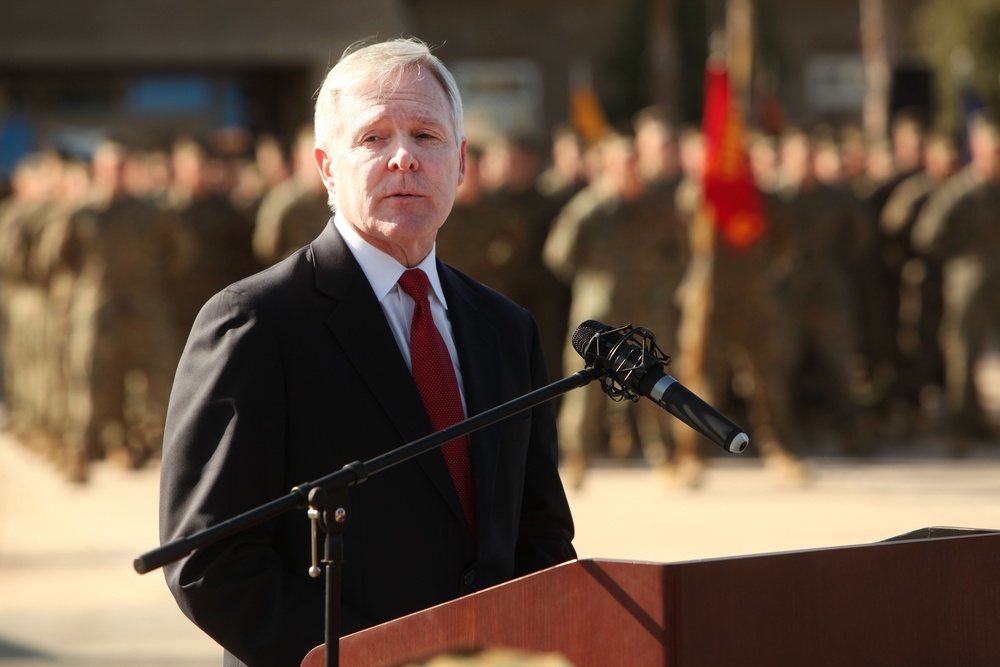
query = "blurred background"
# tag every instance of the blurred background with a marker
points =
(152, 153)
(71, 72)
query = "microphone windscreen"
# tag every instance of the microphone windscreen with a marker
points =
(584, 335)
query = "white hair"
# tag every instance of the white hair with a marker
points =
(382, 65)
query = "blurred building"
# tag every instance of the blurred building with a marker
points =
(813, 47)
(71, 70)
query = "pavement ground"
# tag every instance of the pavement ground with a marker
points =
(69, 596)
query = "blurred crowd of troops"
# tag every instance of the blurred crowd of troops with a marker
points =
(859, 314)
(104, 265)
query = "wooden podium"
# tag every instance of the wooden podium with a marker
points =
(931, 598)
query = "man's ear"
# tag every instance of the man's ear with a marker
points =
(461, 161)
(325, 164)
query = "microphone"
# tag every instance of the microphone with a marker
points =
(635, 368)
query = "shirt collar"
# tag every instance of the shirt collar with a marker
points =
(382, 270)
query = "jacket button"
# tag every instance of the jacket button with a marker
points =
(469, 578)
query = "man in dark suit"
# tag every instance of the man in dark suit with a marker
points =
(294, 372)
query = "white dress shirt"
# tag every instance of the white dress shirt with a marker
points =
(383, 272)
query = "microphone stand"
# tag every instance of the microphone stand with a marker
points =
(327, 499)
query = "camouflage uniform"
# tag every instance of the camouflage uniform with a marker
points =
(831, 237)
(920, 362)
(544, 295)
(624, 260)
(291, 215)
(959, 225)
(122, 342)
(56, 266)
(497, 239)
(24, 308)
(878, 288)
(748, 338)
(486, 240)
(220, 251)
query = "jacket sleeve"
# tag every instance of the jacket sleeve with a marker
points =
(223, 454)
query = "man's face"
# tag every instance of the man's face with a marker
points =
(395, 165)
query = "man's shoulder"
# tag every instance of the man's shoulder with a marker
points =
(484, 297)
(278, 285)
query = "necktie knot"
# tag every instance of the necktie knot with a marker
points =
(414, 282)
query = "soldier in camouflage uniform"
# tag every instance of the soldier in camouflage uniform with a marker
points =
(960, 226)
(623, 251)
(889, 165)
(56, 271)
(122, 340)
(221, 251)
(656, 146)
(483, 238)
(566, 172)
(831, 239)
(747, 336)
(920, 365)
(23, 299)
(295, 211)
(565, 176)
(511, 169)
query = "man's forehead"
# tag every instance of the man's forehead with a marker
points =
(390, 85)
(422, 100)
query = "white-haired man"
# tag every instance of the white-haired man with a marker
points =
(326, 358)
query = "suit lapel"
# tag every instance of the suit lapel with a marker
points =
(358, 324)
(385, 375)
(477, 342)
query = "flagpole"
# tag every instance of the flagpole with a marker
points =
(740, 48)
(729, 206)
(696, 305)
(696, 309)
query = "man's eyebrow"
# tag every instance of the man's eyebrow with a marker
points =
(424, 119)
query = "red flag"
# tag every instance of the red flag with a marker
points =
(729, 189)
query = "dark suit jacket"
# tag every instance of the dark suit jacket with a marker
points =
(292, 373)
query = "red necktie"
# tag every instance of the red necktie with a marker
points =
(434, 375)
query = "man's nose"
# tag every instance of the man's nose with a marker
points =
(403, 158)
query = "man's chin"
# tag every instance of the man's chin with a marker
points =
(413, 225)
